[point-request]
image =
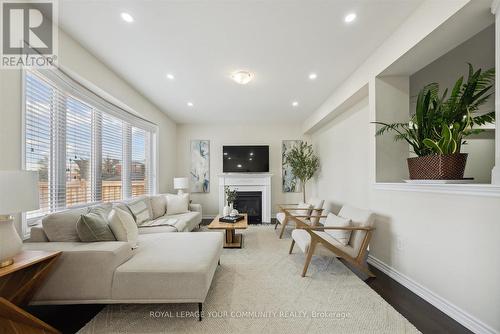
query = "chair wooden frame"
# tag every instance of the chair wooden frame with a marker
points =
(358, 262)
(286, 208)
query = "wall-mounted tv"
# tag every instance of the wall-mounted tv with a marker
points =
(245, 159)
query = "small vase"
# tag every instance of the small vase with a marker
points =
(226, 210)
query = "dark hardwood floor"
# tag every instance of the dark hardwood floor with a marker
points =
(424, 316)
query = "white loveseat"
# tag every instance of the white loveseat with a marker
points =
(165, 267)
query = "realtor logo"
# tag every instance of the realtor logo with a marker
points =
(29, 33)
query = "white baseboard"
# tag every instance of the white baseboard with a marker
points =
(464, 318)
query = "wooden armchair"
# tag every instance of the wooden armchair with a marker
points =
(310, 211)
(307, 238)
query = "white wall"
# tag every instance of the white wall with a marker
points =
(447, 243)
(88, 68)
(220, 135)
(480, 52)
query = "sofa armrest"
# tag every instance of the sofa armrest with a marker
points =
(196, 207)
(37, 234)
(84, 271)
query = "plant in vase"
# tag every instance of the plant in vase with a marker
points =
(303, 162)
(231, 196)
(438, 128)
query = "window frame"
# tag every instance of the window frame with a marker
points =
(76, 90)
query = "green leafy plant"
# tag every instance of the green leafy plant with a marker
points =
(231, 195)
(303, 162)
(440, 123)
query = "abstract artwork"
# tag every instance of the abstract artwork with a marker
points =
(290, 184)
(200, 166)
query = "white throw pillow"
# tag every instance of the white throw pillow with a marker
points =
(301, 212)
(123, 226)
(177, 203)
(341, 236)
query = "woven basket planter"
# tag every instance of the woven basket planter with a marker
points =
(438, 167)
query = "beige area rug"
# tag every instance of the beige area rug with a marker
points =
(258, 289)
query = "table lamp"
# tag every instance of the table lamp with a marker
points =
(18, 193)
(181, 183)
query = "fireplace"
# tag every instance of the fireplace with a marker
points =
(250, 202)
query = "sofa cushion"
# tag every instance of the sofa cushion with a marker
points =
(158, 205)
(61, 226)
(159, 272)
(157, 229)
(342, 236)
(141, 210)
(84, 271)
(93, 226)
(186, 222)
(123, 226)
(177, 203)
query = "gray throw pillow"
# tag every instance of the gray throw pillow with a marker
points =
(141, 210)
(93, 226)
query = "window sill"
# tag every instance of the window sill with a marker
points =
(471, 189)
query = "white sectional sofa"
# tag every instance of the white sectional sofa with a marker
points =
(169, 264)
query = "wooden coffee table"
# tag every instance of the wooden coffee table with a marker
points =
(233, 240)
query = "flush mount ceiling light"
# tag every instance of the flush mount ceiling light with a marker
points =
(295, 104)
(190, 104)
(170, 76)
(350, 17)
(127, 17)
(313, 76)
(242, 77)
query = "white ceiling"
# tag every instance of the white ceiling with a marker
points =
(202, 42)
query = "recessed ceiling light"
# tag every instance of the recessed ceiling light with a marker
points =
(242, 77)
(350, 17)
(295, 104)
(170, 76)
(238, 165)
(313, 76)
(190, 104)
(127, 17)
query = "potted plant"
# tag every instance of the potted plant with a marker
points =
(231, 196)
(303, 162)
(440, 124)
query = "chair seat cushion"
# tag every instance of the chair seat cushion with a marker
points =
(280, 216)
(302, 239)
(331, 240)
(160, 272)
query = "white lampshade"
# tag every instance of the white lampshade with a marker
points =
(181, 183)
(18, 191)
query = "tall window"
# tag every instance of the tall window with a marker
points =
(112, 158)
(139, 169)
(85, 149)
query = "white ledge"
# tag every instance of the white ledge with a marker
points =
(472, 189)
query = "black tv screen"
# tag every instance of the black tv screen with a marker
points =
(245, 159)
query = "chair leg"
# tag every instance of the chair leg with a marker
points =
(291, 247)
(283, 226)
(276, 225)
(364, 268)
(309, 257)
(200, 309)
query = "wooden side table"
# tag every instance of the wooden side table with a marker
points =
(18, 284)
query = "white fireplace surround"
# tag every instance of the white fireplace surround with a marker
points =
(248, 182)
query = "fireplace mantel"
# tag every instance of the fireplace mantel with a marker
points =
(248, 182)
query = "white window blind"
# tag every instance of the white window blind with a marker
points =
(85, 149)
